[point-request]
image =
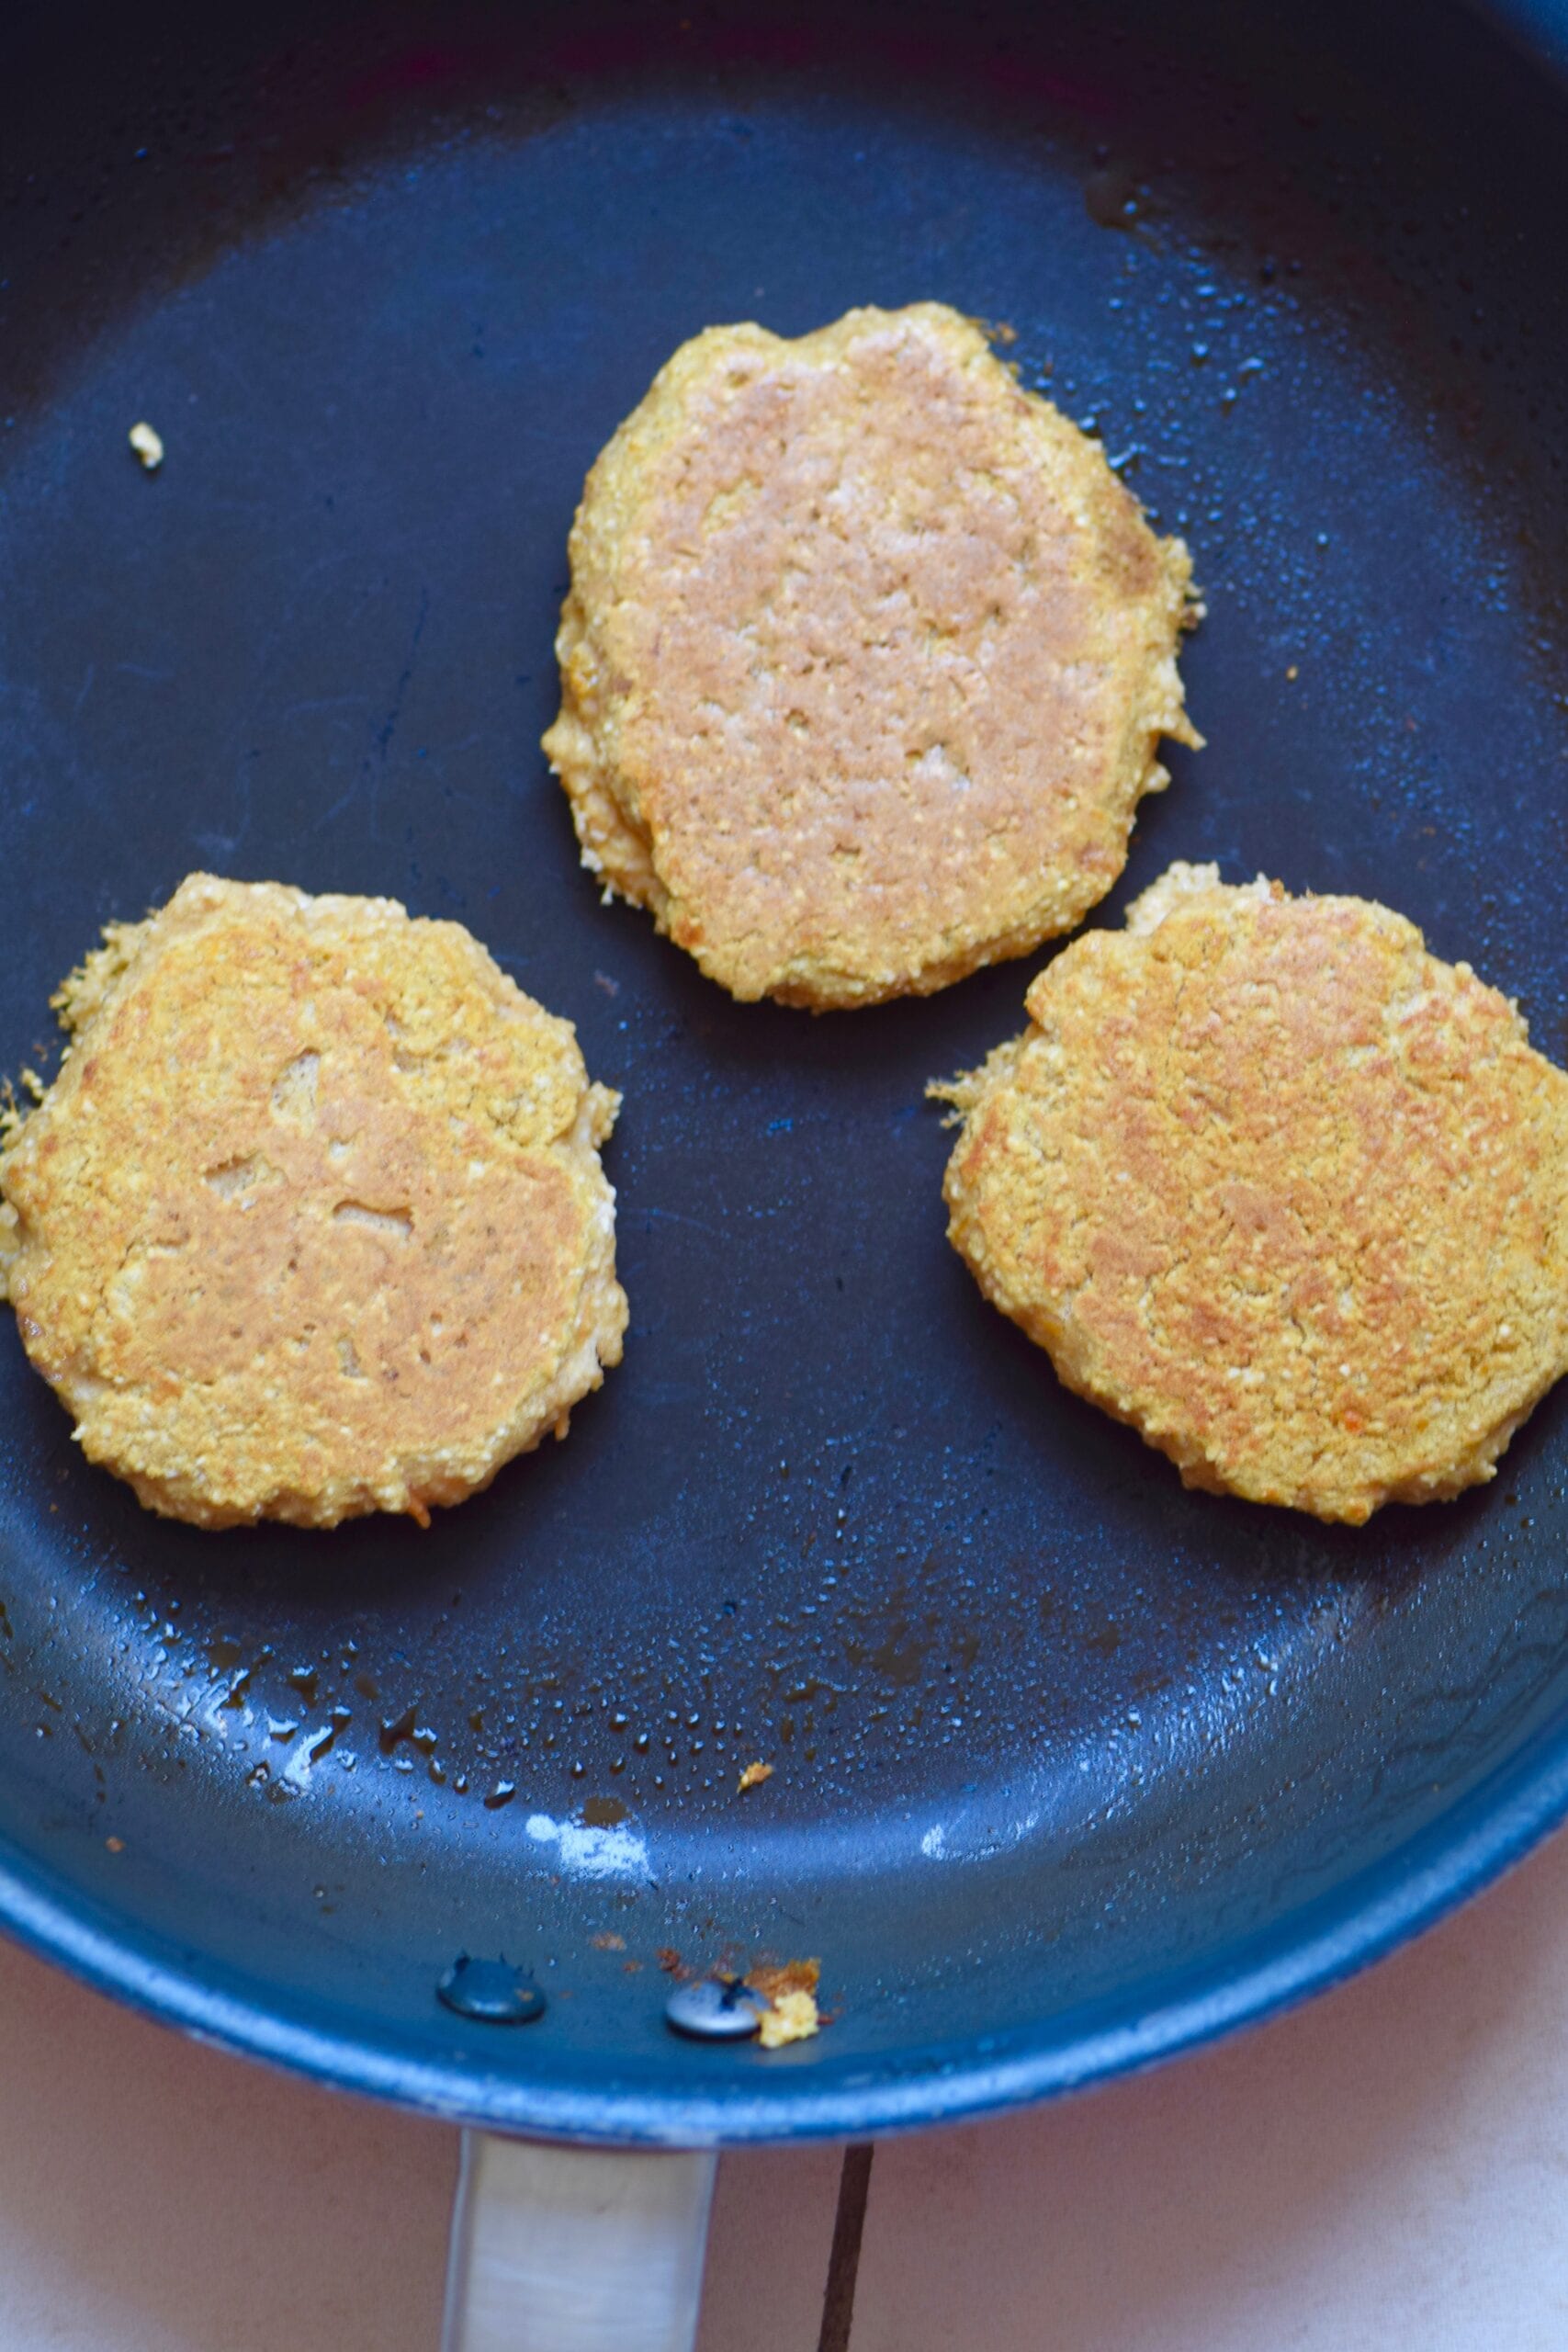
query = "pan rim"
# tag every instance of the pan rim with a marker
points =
(1334, 1937)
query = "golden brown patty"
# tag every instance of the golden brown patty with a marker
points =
(312, 1221)
(1281, 1190)
(865, 663)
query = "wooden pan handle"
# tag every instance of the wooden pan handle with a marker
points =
(575, 2249)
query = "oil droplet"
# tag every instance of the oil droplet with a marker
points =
(1111, 196)
(392, 1735)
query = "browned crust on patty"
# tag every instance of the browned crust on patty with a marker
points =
(1280, 1188)
(312, 1221)
(866, 661)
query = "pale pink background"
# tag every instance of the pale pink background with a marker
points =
(1387, 2168)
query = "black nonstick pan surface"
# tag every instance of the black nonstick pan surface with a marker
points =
(1072, 1768)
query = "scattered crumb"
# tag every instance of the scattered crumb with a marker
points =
(148, 445)
(34, 1085)
(669, 1959)
(608, 1943)
(753, 1777)
(1000, 331)
(631, 1968)
(610, 987)
(792, 2017)
(1293, 674)
(115, 1844)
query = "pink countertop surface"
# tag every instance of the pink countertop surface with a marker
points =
(1388, 2168)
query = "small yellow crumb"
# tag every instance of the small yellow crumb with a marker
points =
(115, 1844)
(1292, 673)
(33, 1084)
(753, 1777)
(148, 445)
(792, 2017)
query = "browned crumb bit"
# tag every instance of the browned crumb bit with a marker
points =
(753, 1777)
(771, 1977)
(115, 1844)
(669, 1959)
(608, 1943)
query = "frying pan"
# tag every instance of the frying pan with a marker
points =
(1073, 1768)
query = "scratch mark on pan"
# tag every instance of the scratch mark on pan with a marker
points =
(373, 766)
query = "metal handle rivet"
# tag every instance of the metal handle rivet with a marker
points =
(491, 1991)
(715, 2009)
